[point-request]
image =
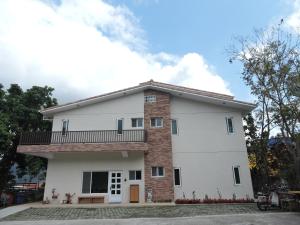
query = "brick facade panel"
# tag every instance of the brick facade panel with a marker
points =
(55, 148)
(159, 148)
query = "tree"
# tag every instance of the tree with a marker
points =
(19, 111)
(256, 143)
(271, 68)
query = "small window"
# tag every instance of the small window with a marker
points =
(174, 127)
(236, 175)
(158, 171)
(177, 177)
(120, 126)
(135, 175)
(137, 122)
(150, 98)
(157, 122)
(229, 123)
(65, 127)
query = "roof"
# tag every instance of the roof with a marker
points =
(180, 91)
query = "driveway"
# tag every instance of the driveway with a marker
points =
(229, 219)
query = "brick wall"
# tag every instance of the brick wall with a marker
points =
(159, 148)
(110, 147)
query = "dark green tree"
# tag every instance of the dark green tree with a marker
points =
(19, 111)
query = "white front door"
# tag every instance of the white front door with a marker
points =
(115, 186)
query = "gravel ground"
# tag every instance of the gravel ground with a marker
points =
(34, 214)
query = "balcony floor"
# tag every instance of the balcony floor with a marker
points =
(47, 150)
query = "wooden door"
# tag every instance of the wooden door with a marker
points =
(134, 193)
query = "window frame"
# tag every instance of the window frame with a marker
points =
(227, 125)
(162, 122)
(91, 181)
(65, 132)
(176, 126)
(137, 119)
(118, 131)
(134, 175)
(234, 177)
(148, 97)
(180, 178)
(157, 171)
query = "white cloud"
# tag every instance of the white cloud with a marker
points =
(293, 20)
(83, 48)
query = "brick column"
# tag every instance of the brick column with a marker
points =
(159, 148)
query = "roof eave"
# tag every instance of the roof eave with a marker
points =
(243, 106)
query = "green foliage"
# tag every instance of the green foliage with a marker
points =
(19, 111)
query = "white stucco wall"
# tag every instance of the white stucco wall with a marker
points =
(203, 149)
(104, 115)
(206, 153)
(65, 173)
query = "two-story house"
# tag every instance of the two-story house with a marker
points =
(154, 141)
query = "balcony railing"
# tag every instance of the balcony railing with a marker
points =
(95, 136)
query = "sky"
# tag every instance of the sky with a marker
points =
(83, 48)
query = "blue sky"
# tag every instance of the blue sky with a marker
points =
(87, 47)
(206, 27)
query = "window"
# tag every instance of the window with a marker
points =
(177, 177)
(156, 122)
(137, 122)
(135, 175)
(65, 127)
(229, 123)
(120, 126)
(150, 98)
(174, 127)
(94, 182)
(158, 171)
(236, 174)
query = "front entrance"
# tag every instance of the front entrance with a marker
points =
(115, 187)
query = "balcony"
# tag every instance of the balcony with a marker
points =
(82, 137)
(49, 144)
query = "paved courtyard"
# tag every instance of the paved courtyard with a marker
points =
(236, 219)
(71, 213)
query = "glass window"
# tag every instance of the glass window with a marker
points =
(86, 182)
(160, 171)
(131, 175)
(229, 123)
(95, 182)
(150, 98)
(174, 127)
(120, 126)
(135, 175)
(157, 171)
(99, 182)
(177, 176)
(138, 174)
(137, 122)
(156, 122)
(65, 125)
(236, 174)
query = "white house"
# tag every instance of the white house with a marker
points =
(154, 141)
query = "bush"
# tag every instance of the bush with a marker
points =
(212, 201)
